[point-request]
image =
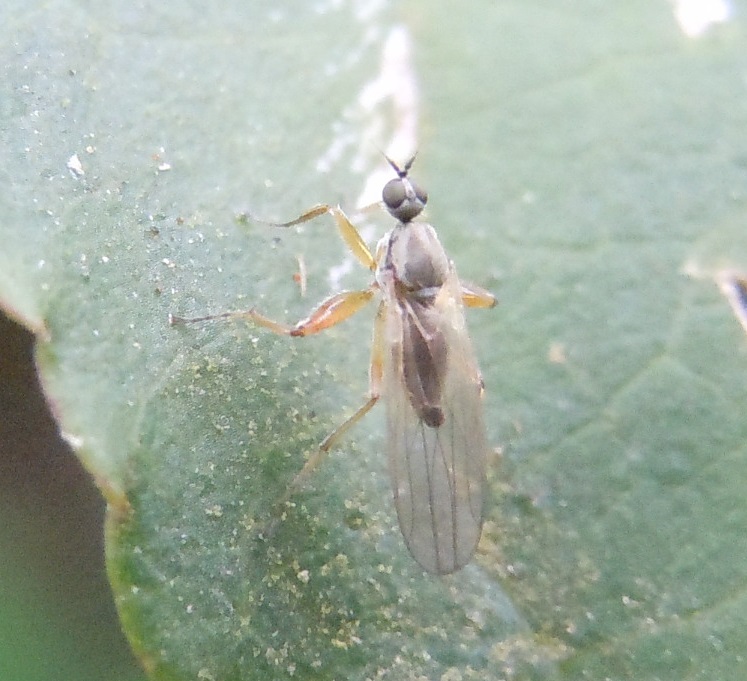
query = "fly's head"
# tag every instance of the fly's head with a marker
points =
(403, 198)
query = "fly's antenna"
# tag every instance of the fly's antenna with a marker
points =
(408, 165)
(401, 172)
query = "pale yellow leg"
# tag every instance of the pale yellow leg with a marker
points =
(252, 315)
(375, 379)
(474, 296)
(332, 311)
(347, 230)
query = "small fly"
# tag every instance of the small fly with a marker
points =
(422, 363)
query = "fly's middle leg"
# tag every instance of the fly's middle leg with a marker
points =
(331, 311)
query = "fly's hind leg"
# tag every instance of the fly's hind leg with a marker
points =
(375, 378)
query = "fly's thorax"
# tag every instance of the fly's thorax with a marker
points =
(382, 250)
(415, 258)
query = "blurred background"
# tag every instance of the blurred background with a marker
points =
(57, 615)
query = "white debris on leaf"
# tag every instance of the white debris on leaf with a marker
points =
(75, 166)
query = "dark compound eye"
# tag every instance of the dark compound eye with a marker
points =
(420, 192)
(393, 193)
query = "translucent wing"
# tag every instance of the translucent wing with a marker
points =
(437, 470)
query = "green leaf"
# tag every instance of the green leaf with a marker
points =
(583, 162)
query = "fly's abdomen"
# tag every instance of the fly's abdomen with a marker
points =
(424, 359)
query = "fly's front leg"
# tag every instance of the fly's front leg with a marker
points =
(375, 378)
(348, 232)
(335, 308)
